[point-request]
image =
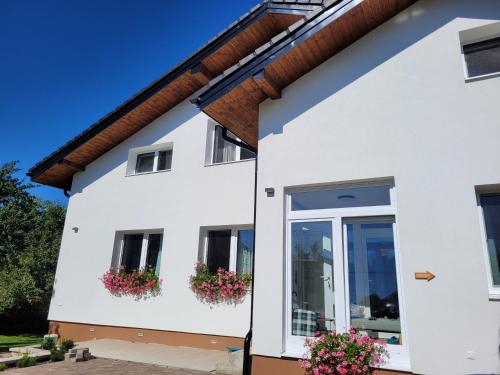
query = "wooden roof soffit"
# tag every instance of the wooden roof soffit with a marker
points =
(240, 39)
(233, 98)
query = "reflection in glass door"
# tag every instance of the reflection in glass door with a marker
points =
(312, 286)
(372, 279)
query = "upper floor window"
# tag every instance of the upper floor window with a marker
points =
(490, 206)
(221, 151)
(482, 58)
(149, 159)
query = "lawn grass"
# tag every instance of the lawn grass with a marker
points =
(7, 342)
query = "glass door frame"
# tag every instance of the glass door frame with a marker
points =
(293, 346)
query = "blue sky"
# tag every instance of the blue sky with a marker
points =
(65, 64)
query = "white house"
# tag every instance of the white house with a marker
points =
(376, 125)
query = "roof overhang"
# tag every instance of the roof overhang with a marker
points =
(233, 98)
(241, 38)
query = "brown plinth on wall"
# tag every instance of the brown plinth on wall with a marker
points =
(277, 366)
(86, 332)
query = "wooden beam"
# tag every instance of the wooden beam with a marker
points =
(72, 164)
(201, 71)
(267, 84)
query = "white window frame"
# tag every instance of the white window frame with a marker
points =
(493, 290)
(477, 35)
(294, 345)
(233, 248)
(136, 151)
(210, 147)
(120, 236)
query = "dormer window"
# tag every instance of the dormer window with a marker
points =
(149, 159)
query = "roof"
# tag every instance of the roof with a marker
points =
(233, 97)
(250, 31)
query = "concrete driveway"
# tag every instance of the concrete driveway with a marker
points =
(102, 366)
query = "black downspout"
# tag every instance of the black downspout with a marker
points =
(247, 359)
(66, 194)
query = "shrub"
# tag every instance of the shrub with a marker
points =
(67, 344)
(223, 286)
(342, 353)
(49, 343)
(26, 361)
(137, 283)
(3, 367)
(57, 354)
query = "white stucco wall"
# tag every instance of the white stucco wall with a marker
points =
(395, 104)
(179, 201)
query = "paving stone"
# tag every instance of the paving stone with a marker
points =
(102, 366)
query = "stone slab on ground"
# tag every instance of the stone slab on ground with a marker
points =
(101, 366)
(172, 356)
(17, 353)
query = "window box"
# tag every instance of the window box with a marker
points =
(224, 270)
(135, 267)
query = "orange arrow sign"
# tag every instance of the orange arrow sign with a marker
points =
(424, 275)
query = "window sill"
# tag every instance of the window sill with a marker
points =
(480, 78)
(230, 162)
(144, 173)
(494, 296)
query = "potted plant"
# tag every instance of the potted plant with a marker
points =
(223, 286)
(139, 283)
(346, 353)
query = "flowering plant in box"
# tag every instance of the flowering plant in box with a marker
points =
(224, 286)
(342, 353)
(138, 283)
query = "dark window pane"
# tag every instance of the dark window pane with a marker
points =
(219, 243)
(341, 197)
(164, 160)
(245, 251)
(131, 255)
(153, 256)
(483, 57)
(491, 210)
(246, 154)
(145, 162)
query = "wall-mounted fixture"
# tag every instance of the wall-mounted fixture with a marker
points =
(269, 191)
(75, 229)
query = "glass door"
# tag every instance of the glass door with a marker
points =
(372, 285)
(314, 277)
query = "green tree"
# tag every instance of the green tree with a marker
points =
(30, 235)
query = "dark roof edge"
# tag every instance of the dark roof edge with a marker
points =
(140, 97)
(284, 42)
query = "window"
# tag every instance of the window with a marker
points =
(221, 151)
(342, 266)
(150, 159)
(490, 205)
(482, 58)
(145, 162)
(138, 250)
(229, 248)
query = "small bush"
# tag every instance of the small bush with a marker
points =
(26, 361)
(57, 355)
(3, 367)
(49, 343)
(67, 344)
